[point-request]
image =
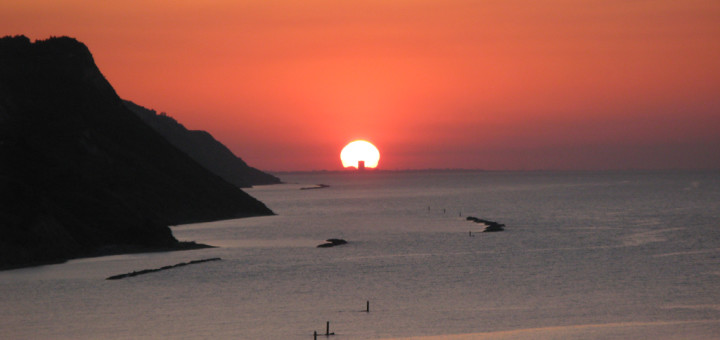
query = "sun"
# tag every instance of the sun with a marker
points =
(360, 154)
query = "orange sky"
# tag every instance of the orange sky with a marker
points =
(512, 84)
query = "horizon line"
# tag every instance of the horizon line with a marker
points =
(353, 170)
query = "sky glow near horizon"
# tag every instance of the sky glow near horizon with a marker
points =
(515, 84)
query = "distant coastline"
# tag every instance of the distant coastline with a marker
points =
(430, 170)
(372, 171)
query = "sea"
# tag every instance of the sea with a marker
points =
(583, 255)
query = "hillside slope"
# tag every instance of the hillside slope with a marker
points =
(204, 148)
(80, 173)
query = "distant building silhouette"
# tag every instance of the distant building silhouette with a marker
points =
(361, 165)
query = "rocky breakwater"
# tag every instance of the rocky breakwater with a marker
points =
(490, 226)
(332, 242)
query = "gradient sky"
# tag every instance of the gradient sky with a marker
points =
(506, 84)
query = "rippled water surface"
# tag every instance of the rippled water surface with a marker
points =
(579, 249)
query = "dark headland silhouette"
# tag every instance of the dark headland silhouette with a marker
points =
(204, 148)
(82, 175)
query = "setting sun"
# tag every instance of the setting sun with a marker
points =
(360, 154)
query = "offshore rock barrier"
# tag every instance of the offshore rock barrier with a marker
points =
(319, 186)
(147, 271)
(331, 242)
(490, 225)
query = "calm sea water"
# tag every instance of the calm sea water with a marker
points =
(581, 248)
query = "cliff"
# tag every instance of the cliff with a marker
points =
(206, 150)
(80, 173)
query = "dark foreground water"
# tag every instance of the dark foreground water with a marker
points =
(584, 253)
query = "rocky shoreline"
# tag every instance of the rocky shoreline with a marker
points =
(115, 249)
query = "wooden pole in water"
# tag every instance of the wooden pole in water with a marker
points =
(315, 335)
(327, 328)
(367, 308)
